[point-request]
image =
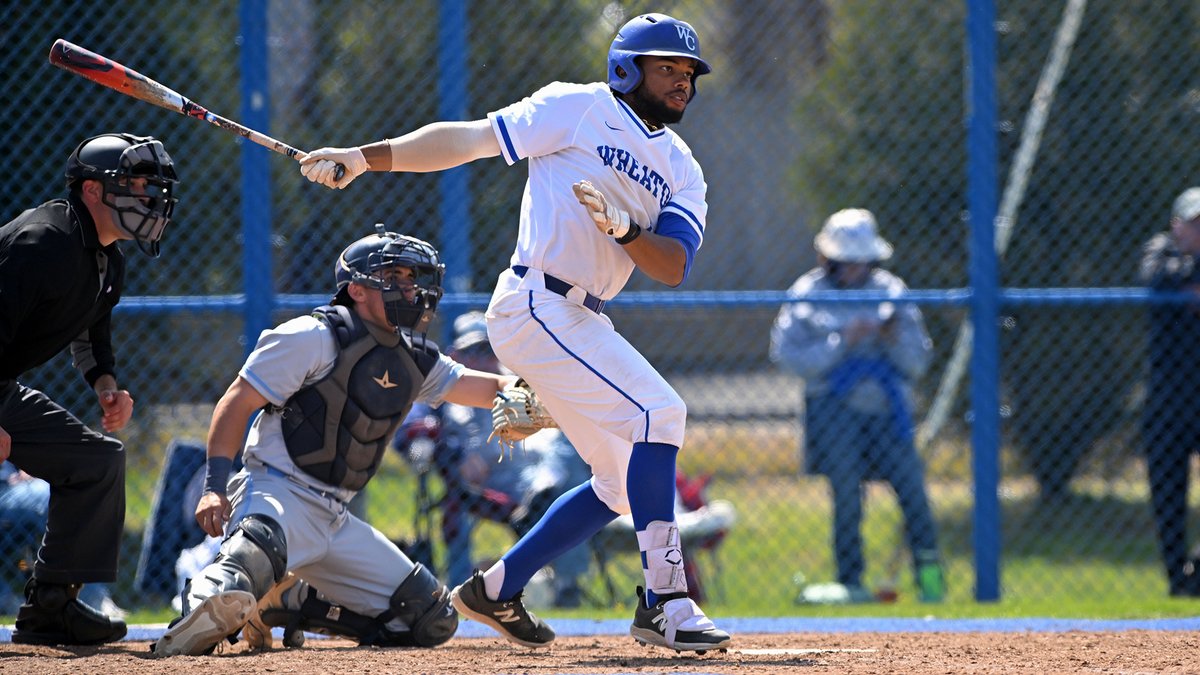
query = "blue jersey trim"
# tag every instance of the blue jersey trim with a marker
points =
(261, 386)
(637, 121)
(689, 214)
(585, 364)
(675, 226)
(512, 151)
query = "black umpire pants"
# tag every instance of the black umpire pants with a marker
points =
(86, 473)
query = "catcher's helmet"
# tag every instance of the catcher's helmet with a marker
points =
(651, 35)
(113, 160)
(363, 261)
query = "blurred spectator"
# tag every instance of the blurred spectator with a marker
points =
(24, 505)
(514, 492)
(1171, 427)
(859, 362)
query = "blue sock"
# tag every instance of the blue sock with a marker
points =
(571, 520)
(650, 483)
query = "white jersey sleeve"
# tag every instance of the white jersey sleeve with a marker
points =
(440, 380)
(543, 123)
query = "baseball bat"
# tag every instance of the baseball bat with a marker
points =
(109, 73)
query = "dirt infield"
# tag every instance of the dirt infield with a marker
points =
(1126, 651)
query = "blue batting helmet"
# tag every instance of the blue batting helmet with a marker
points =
(651, 35)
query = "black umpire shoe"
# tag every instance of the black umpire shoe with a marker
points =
(507, 617)
(53, 615)
(676, 622)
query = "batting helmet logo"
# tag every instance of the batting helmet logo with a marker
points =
(688, 37)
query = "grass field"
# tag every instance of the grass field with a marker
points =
(1090, 556)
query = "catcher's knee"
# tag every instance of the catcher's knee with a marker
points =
(256, 550)
(252, 558)
(423, 602)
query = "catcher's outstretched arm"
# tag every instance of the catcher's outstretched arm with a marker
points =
(478, 389)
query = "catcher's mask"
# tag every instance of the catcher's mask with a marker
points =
(115, 160)
(367, 261)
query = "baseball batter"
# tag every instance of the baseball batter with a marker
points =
(333, 387)
(610, 187)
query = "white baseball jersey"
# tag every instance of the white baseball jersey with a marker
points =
(601, 391)
(347, 559)
(574, 132)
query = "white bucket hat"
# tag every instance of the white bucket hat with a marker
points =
(470, 329)
(850, 235)
(1187, 204)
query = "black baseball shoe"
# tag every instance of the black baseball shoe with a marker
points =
(676, 622)
(507, 617)
(53, 615)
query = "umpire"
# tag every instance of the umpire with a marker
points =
(61, 273)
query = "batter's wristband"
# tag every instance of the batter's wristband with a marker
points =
(634, 231)
(216, 475)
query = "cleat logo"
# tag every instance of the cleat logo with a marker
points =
(384, 381)
(506, 615)
(660, 622)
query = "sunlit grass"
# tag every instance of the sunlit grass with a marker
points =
(1091, 556)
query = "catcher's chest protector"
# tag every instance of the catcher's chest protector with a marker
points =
(338, 428)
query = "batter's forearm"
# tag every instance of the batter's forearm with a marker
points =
(660, 258)
(434, 147)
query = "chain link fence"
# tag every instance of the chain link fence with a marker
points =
(813, 106)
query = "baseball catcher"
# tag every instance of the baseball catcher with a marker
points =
(333, 387)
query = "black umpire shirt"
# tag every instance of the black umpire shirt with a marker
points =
(57, 285)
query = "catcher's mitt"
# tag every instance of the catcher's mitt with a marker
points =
(517, 413)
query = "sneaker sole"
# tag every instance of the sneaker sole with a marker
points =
(200, 631)
(652, 638)
(489, 621)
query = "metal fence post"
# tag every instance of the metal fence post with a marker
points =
(256, 174)
(982, 172)
(454, 184)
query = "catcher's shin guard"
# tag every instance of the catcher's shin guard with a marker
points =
(218, 602)
(421, 602)
(252, 558)
(297, 606)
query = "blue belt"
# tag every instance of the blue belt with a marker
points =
(556, 285)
